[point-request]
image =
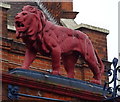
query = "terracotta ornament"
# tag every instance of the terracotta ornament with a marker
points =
(41, 35)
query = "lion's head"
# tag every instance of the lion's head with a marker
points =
(29, 22)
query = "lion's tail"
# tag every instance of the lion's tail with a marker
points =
(100, 62)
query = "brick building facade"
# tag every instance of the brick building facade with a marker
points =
(12, 52)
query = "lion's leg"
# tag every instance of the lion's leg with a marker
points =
(69, 64)
(95, 69)
(92, 61)
(54, 49)
(56, 54)
(30, 55)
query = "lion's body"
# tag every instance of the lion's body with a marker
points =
(59, 42)
(69, 40)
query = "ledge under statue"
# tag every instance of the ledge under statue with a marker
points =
(40, 35)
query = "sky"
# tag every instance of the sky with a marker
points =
(103, 14)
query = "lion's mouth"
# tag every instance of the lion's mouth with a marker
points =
(20, 27)
(19, 24)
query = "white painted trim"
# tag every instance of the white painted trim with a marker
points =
(4, 5)
(9, 27)
(70, 23)
(92, 28)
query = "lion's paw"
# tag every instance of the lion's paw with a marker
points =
(55, 73)
(96, 81)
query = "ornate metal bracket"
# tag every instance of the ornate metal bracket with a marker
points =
(14, 95)
(112, 92)
(13, 92)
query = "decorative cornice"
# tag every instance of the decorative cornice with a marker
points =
(92, 28)
(48, 86)
(70, 23)
(70, 14)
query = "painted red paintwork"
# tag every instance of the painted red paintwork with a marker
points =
(40, 35)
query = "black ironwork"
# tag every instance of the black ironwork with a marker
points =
(112, 92)
(12, 92)
(14, 95)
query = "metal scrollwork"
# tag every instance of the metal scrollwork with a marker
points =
(118, 71)
(13, 94)
(111, 93)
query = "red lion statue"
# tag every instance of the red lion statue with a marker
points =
(40, 35)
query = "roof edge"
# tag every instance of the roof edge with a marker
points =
(92, 28)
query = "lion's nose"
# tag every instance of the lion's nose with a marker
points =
(17, 16)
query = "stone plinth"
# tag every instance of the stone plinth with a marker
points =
(52, 86)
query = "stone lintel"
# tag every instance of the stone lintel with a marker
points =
(70, 23)
(59, 80)
(54, 84)
(92, 28)
(4, 5)
(10, 27)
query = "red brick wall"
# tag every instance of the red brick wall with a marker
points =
(3, 22)
(99, 41)
(67, 6)
(61, 10)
